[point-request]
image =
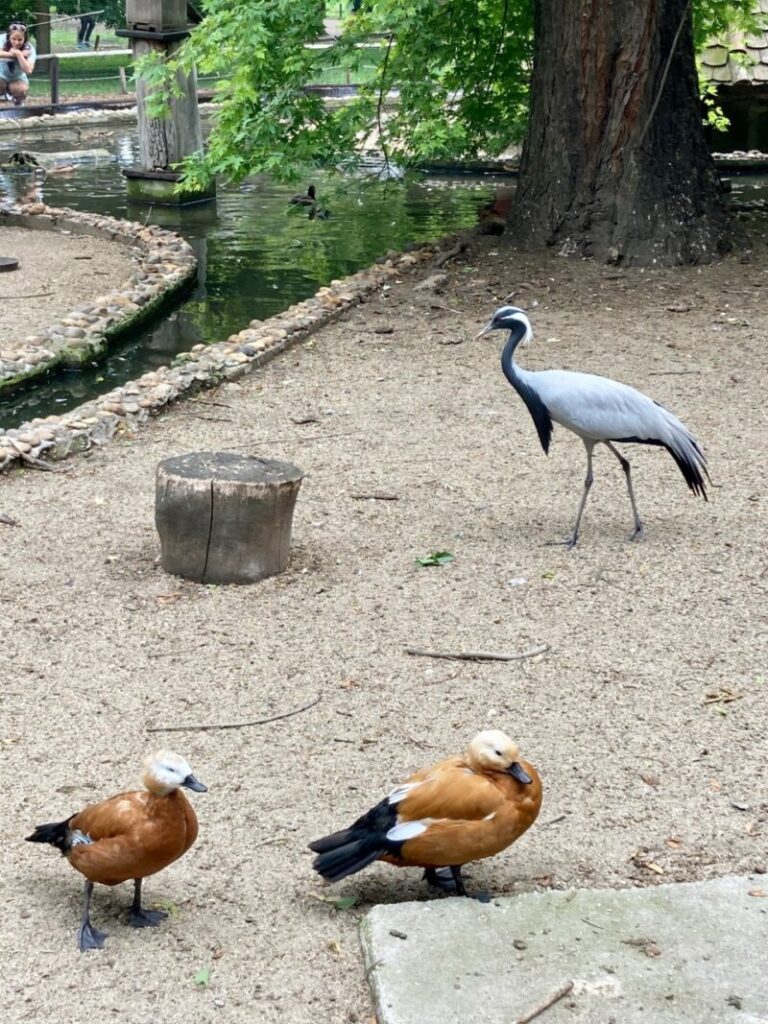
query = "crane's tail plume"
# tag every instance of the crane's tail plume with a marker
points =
(692, 464)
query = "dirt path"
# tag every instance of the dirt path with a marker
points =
(648, 777)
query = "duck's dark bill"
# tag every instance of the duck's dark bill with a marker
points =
(517, 772)
(192, 783)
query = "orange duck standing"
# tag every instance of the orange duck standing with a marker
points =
(462, 809)
(129, 836)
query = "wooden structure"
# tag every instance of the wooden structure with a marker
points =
(738, 66)
(160, 26)
(225, 518)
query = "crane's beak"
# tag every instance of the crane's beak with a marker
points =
(486, 330)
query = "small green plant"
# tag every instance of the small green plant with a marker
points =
(436, 558)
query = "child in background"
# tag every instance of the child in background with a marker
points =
(17, 61)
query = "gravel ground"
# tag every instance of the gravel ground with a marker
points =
(645, 718)
(55, 274)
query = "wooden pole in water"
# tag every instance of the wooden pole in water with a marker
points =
(160, 27)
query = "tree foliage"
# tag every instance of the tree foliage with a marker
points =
(446, 79)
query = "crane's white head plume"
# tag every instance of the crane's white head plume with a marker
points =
(508, 318)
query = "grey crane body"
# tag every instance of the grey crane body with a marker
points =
(596, 409)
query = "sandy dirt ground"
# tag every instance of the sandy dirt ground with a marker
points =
(56, 274)
(645, 717)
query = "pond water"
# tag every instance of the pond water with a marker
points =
(257, 255)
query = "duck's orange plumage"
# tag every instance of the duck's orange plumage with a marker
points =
(129, 836)
(464, 808)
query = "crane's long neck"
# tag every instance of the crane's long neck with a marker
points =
(508, 364)
(525, 387)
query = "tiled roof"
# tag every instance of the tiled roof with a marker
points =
(739, 58)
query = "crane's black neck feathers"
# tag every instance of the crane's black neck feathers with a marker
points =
(538, 410)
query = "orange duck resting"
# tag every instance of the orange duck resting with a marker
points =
(462, 809)
(130, 836)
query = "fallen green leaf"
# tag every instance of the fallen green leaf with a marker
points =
(548, 575)
(203, 977)
(168, 906)
(345, 902)
(436, 558)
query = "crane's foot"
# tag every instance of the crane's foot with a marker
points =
(638, 533)
(89, 937)
(146, 918)
(450, 882)
(570, 542)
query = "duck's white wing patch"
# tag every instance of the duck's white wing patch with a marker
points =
(401, 792)
(78, 838)
(407, 830)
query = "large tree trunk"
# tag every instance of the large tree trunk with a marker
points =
(615, 165)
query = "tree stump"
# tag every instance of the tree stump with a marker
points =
(225, 518)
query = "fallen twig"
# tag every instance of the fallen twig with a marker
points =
(554, 821)
(555, 997)
(672, 373)
(34, 295)
(478, 655)
(376, 496)
(455, 250)
(374, 965)
(236, 725)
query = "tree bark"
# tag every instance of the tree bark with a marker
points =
(615, 163)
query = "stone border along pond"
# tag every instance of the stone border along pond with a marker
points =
(170, 263)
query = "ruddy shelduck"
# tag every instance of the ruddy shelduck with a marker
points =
(462, 809)
(129, 836)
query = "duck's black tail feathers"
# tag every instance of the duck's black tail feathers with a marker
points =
(354, 848)
(56, 833)
(348, 859)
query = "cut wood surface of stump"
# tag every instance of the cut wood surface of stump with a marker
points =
(225, 518)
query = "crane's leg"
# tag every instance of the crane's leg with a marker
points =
(639, 528)
(141, 918)
(88, 937)
(570, 541)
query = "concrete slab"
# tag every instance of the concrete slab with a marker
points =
(673, 954)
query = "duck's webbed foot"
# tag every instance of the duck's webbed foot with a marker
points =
(140, 918)
(146, 918)
(449, 881)
(89, 937)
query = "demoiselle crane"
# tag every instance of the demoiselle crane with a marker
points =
(596, 409)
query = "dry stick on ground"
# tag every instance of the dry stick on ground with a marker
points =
(376, 497)
(562, 991)
(236, 725)
(478, 655)
(34, 295)
(456, 250)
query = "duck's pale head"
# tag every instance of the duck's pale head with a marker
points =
(165, 771)
(493, 751)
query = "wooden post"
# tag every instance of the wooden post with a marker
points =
(160, 27)
(53, 71)
(123, 79)
(225, 518)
